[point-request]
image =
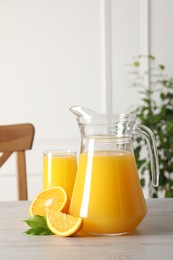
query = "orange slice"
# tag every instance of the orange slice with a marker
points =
(50, 198)
(63, 224)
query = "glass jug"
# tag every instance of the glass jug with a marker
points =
(107, 193)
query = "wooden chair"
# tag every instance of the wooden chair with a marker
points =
(17, 138)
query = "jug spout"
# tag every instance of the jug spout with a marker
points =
(84, 112)
(92, 123)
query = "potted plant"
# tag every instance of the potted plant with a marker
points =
(155, 111)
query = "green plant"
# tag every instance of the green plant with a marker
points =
(156, 112)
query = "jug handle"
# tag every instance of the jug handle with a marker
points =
(149, 137)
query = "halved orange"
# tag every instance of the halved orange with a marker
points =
(63, 224)
(51, 198)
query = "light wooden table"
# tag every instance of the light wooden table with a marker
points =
(153, 239)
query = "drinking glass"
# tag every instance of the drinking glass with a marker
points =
(59, 169)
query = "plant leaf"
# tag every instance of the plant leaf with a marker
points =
(36, 221)
(38, 226)
(142, 182)
(136, 63)
(162, 67)
(155, 110)
(39, 231)
(151, 57)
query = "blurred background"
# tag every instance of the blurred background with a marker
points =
(58, 53)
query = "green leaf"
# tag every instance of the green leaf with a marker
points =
(38, 226)
(155, 195)
(169, 194)
(142, 182)
(36, 221)
(151, 57)
(155, 110)
(136, 63)
(162, 67)
(39, 231)
(162, 96)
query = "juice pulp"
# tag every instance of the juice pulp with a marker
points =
(59, 171)
(107, 193)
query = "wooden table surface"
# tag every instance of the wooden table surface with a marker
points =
(153, 239)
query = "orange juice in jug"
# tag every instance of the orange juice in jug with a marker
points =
(107, 193)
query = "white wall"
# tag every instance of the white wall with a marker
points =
(125, 41)
(58, 53)
(50, 59)
(161, 32)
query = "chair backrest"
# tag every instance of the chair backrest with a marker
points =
(17, 138)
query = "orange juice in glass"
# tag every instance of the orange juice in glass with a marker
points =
(59, 169)
(107, 193)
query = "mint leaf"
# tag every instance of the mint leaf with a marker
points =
(39, 231)
(36, 221)
(38, 226)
